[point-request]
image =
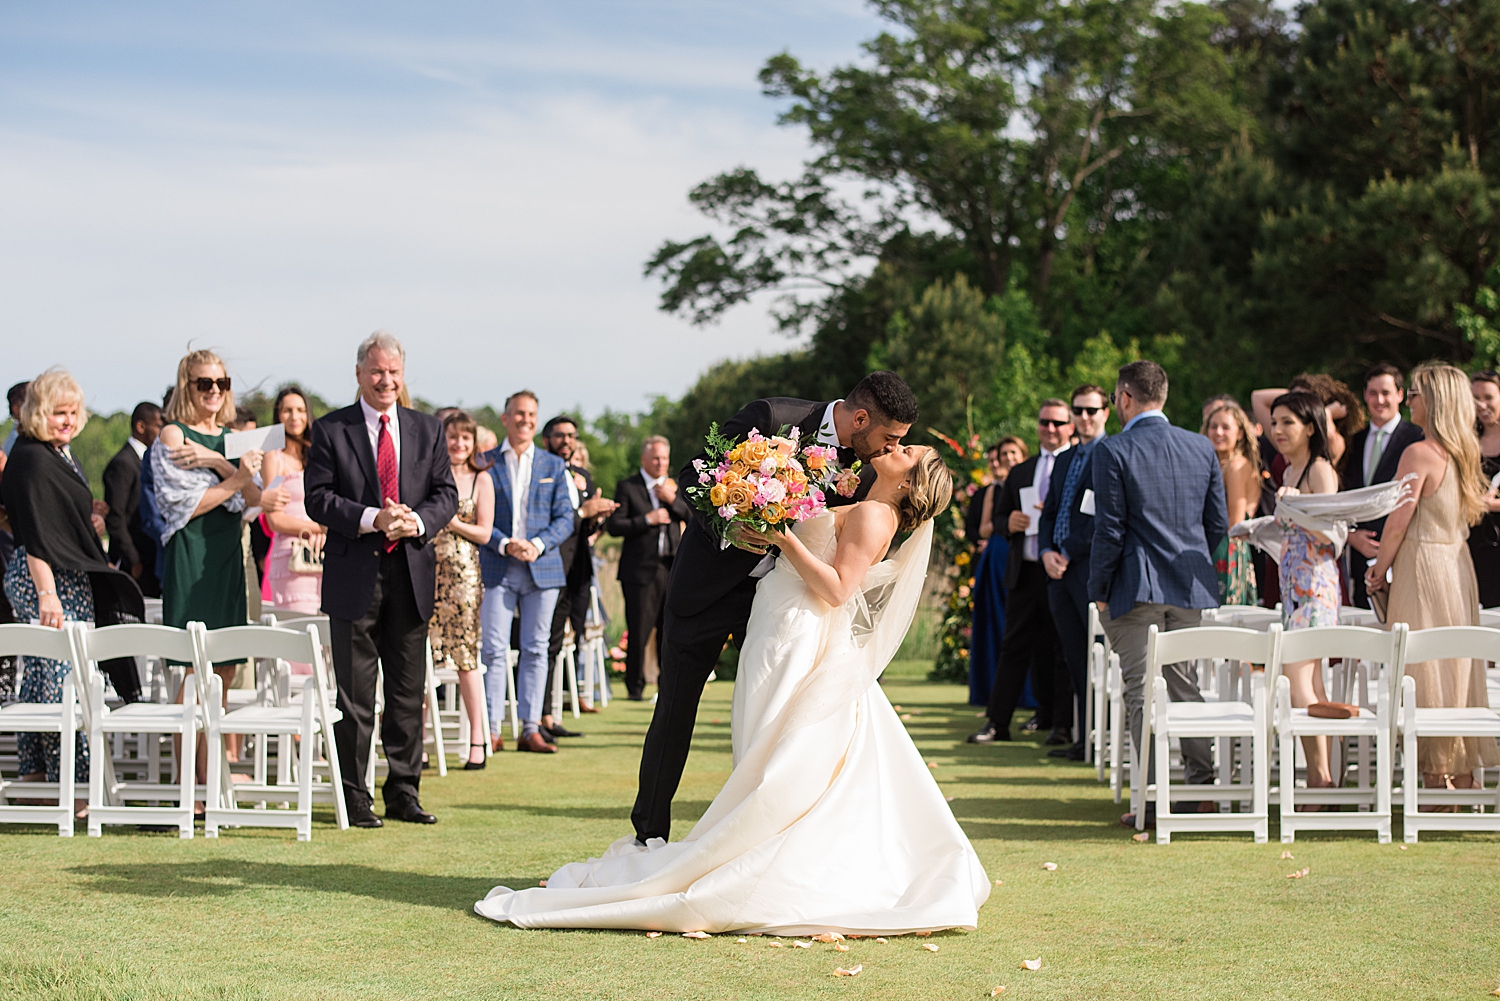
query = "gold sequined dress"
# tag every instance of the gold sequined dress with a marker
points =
(454, 629)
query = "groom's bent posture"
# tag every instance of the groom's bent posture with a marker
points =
(378, 477)
(711, 589)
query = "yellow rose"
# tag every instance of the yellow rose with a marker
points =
(717, 494)
(731, 477)
(741, 497)
(796, 476)
(773, 513)
(755, 452)
(735, 453)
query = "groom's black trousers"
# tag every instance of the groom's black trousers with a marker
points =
(689, 648)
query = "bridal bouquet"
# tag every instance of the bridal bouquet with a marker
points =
(765, 483)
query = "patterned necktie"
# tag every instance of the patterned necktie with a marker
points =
(1376, 448)
(1065, 502)
(385, 467)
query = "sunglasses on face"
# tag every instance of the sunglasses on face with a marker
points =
(207, 385)
(1086, 411)
(1114, 397)
(1045, 423)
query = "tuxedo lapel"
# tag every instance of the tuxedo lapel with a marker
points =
(359, 443)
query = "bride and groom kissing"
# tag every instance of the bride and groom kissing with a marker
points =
(830, 820)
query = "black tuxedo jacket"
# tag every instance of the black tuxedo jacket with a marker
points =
(341, 482)
(1406, 433)
(577, 555)
(1009, 501)
(128, 542)
(640, 553)
(702, 572)
(1080, 540)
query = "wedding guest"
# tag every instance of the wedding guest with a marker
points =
(1341, 408)
(295, 579)
(987, 622)
(1067, 537)
(1375, 453)
(485, 440)
(590, 508)
(1228, 429)
(378, 476)
(650, 518)
(1309, 571)
(131, 547)
(1030, 642)
(1432, 577)
(1159, 513)
(15, 397)
(59, 571)
(453, 629)
(1484, 538)
(521, 567)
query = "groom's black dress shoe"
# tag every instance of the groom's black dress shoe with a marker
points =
(989, 735)
(360, 815)
(410, 811)
(558, 730)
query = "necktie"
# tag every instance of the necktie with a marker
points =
(1376, 448)
(385, 468)
(1065, 502)
(1044, 477)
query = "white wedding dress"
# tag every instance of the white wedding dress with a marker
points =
(830, 821)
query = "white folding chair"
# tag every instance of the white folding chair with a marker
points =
(109, 798)
(432, 721)
(1351, 643)
(593, 651)
(1445, 643)
(310, 723)
(565, 672)
(62, 718)
(1164, 719)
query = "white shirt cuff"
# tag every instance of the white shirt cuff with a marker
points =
(537, 542)
(421, 527)
(367, 520)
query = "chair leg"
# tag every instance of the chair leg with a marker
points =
(305, 767)
(1410, 798)
(571, 664)
(1383, 786)
(216, 763)
(1288, 787)
(67, 751)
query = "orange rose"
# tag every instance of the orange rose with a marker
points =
(741, 497)
(773, 513)
(717, 494)
(731, 477)
(815, 461)
(755, 452)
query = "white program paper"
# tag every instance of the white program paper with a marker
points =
(1086, 506)
(266, 439)
(1031, 506)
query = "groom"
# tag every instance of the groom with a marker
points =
(711, 590)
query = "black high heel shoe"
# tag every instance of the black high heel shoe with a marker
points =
(471, 766)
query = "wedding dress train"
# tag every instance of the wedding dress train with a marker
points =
(830, 821)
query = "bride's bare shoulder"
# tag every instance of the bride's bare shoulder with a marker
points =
(869, 524)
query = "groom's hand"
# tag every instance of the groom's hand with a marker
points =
(743, 538)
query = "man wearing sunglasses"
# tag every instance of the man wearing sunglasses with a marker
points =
(1030, 641)
(1067, 536)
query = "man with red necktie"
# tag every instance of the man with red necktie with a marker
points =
(378, 477)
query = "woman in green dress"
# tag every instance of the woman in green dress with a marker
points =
(1228, 428)
(201, 495)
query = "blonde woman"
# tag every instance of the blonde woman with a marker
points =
(1425, 546)
(59, 571)
(1228, 429)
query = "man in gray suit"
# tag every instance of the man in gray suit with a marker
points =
(1159, 513)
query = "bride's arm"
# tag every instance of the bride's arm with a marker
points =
(868, 530)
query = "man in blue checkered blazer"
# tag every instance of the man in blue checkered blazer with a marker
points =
(522, 567)
(1159, 511)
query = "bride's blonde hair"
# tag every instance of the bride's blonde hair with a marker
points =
(929, 491)
(1450, 423)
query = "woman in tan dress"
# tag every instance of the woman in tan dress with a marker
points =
(454, 629)
(1425, 545)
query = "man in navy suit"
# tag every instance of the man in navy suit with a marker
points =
(1159, 511)
(1067, 537)
(522, 567)
(1373, 455)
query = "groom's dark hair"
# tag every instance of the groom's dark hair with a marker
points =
(886, 396)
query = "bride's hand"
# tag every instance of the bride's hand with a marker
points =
(744, 537)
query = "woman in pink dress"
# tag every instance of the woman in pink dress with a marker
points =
(290, 589)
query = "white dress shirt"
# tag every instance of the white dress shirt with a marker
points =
(827, 433)
(137, 446)
(372, 428)
(651, 485)
(1045, 460)
(1385, 431)
(518, 466)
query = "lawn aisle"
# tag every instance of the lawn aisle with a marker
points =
(385, 914)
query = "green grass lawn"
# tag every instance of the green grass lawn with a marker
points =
(387, 913)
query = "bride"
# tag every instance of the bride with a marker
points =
(830, 821)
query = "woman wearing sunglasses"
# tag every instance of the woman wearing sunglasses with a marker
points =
(200, 495)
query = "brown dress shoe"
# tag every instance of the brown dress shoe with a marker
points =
(588, 707)
(497, 743)
(534, 742)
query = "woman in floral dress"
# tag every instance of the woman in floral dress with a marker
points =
(1227, 427)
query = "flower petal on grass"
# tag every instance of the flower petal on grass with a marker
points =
(1050, 866)
(841, 947)
(801, 945)
(997, 992)
(1142, 837)
(696, 934)
(880, 941)
(999, 882)
(653, 934)
(541, 882)
(853, 971)
(948, 799)
(1032, 964)
(774, 945)
(932, 764)
(922, 934)
(1299, 873)
(741, 941)
(828, 936)
(1287, 855)
(930, 946)
(1403, 848)
(906, 715)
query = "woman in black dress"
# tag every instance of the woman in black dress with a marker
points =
(1484, 538)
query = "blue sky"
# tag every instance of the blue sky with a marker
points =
(275, 180)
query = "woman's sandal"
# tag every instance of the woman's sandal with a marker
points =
(471, 765)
